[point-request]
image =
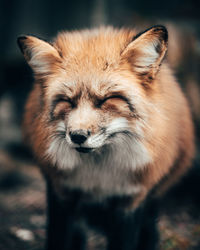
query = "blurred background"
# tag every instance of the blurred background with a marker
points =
(22, 189)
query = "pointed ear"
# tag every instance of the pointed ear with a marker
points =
(146, 52)
(39, 54)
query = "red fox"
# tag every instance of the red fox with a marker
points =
(111, 130)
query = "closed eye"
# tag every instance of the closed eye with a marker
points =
(101, 102)
(117, 97)
(60, 106)
(61, 98)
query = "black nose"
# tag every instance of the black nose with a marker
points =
(79, 136)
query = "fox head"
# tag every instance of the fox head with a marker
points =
(95, 90)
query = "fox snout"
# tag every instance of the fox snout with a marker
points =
(79, 136)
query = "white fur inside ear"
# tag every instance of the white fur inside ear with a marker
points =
(149, 55)
(39, 61)
(39, 64)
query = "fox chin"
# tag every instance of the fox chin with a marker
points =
(111, 130)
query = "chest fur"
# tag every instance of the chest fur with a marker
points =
(99, 181)
(105, 173)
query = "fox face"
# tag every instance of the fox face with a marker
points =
(95, 112)
(99, 114)
(92, 92)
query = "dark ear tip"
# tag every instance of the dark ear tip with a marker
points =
(162, 30)
(159, 29)
(20, 42)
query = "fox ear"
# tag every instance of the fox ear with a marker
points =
(146, 52)
(39, 54)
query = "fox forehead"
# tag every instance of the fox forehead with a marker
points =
(101, 47)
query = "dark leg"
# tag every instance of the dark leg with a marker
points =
(149, 234)
(124, 230)
(62, 234)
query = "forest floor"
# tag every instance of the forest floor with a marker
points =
(22, 209)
